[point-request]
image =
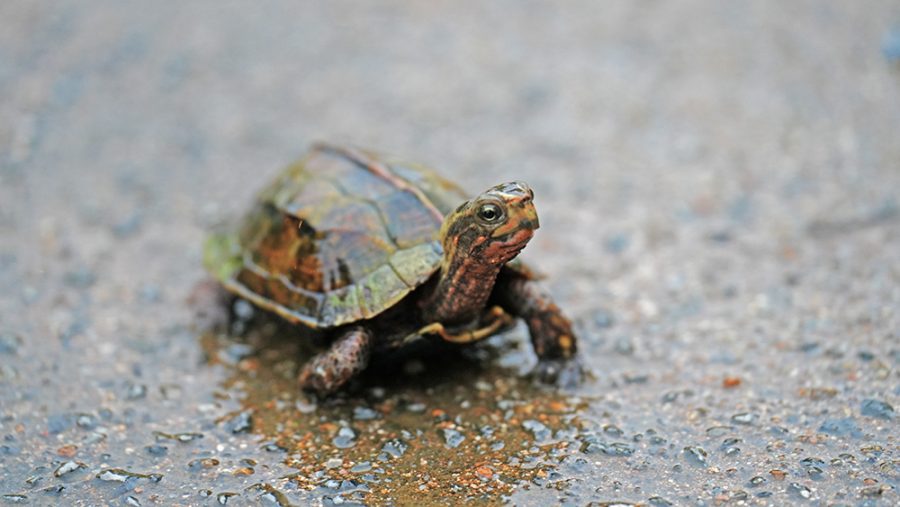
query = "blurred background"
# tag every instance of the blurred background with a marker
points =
(718, 191)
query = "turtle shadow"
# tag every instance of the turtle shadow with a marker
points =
(258, 345)
(407, 411)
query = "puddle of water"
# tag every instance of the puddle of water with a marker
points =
(454, 427)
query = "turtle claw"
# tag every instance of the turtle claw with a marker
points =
(563, 373)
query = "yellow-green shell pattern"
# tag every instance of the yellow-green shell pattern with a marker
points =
(339, 236)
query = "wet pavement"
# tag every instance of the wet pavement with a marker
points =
(718, 192)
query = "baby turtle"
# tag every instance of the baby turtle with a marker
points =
(378, 253)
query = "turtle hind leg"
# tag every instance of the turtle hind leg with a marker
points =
(348, 355)
(551, 332)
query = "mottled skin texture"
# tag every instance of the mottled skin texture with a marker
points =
(347, 356)
(377, 253)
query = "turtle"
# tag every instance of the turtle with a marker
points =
(376, 253)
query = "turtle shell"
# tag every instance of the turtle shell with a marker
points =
(340, 236)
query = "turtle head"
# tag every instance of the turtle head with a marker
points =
(493, 227)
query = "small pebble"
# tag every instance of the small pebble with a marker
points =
(235, 352)
(201, 463)
(394, 448)
(878, 409)
(135, 391)
(416, 408)
(363, 467)
(540, 432)
(616, 449)
(364, 414)
(68, 467)
(240, 423)
(243, 310)
(612, 429)
(872, 491)
(800, 490)
(156, 450)
(483, 386)
(222, 498)
(756, 481)
(115, 475)
(180, 437)
(777, 474)
(274, 448)
(744, 418)
(95, 437)
(306, 406)
(86, 421)
(345, 438)
(695, 455)
(453, 438)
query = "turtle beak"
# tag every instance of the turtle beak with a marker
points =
(529, 218)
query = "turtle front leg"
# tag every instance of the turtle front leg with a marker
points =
(551, 332)
(347, 357)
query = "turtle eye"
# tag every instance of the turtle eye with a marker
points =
(490, 213)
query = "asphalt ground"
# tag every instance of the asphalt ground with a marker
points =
(717, 184)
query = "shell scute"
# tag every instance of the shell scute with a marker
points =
(407, 225)
(293, 303)
(443, 194)
(380, 289)
(413, 264)
(348, 256)
(340, 307)
(338, 237)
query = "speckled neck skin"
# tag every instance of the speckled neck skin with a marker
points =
(461, 292)
(474, 253)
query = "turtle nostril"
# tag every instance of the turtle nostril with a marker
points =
(529, 196)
